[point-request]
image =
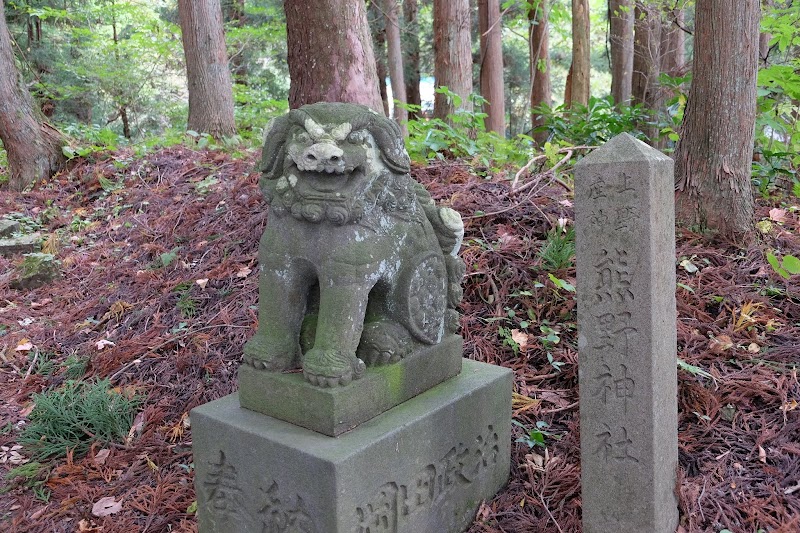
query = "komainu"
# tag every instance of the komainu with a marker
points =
(358, 265)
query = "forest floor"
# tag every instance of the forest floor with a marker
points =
(158, 292)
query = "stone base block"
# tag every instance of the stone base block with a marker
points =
(421, 467)
(332, 411)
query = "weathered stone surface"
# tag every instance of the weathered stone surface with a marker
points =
(20, 245)
(358, 265)
(332, 411)
(35, 270)
(423, 466)
(625, 246)
(7, 227)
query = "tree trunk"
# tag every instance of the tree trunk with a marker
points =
(377, 28)
(764, 39)
(620, 15)
(330, 53)
(541, 90)
(646, 63)
(673, 47)
(233, 12)
(714, 154)
(210, 88)
(411, 54)
(581, 54)
(491, 66)
(33, 147)
(395, 54)
(452, 43)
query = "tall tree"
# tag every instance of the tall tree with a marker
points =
(330, 53)
(491, 65)
(33, 147)
(452, 43)
(646, 62)
(541, 90)
(411, 53)
(395, 56)
(646, 50)
(210, 87)
(620, 16)
(377, 28)
(581, 54)
(714, 154)
(673, 44)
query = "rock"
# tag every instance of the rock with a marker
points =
(20, 245)
(35, 270)
(8, 226)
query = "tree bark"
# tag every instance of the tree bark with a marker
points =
(395, 54)
(32, 146)
(620, 15)
(491, 66)
(541, 90)
(646, 63)
(330, 53)
(411, 54)
(209, 78)
(673, 45)
(764, 39)
(377, 28)
(714, 154)
(452, 43)
(646, 58)
(581, 54)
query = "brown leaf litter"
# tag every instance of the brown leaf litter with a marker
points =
(158, 293)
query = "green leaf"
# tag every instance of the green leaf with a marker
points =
(791, 264)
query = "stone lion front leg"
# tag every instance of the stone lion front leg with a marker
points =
(282, 295)
(332, 361)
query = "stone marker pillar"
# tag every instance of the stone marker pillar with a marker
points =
(625, 240)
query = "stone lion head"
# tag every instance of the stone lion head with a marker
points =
(335, 162)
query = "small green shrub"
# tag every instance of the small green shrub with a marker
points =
(558, 251)
(32, 475)
(74, 416)
(75, 366)
(463, 135)
(592, 124)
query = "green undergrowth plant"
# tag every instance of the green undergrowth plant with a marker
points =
(535, 436)
(558, 251)
(32, 475)
(74, 416)
(592, 124)
(463, 135)
(785, 266)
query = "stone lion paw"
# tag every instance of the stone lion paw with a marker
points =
(383, 343)
(264, 353)
(331, 368)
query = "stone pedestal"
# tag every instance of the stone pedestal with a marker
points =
(332, 411)
(422, 466)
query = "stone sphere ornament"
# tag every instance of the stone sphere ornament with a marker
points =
(358, 266)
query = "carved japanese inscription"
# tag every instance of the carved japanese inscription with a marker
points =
(394, 502)
(626, 337)
(266, 509)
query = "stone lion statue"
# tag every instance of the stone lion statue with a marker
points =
(358, 265)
